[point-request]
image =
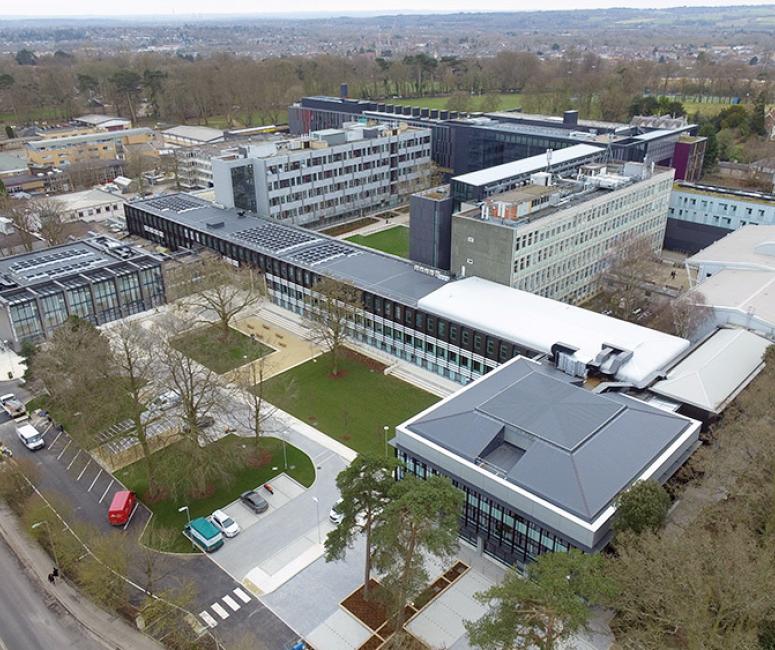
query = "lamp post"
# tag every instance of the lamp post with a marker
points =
(317, 515)
(50, 539)
(385, 429)
(188, 516)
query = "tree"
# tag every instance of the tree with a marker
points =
(26, 57)
(758, 125)
(23, 220)
(48, 213)
(126, 84)
(330, 308)
(642, 507)
(259, 411)
(420, 519)
(686, 316)
(552, 603)
(215, 286)
(490, 102)
(627, 268)
(460, 102)
(153, 81)
(365, 487)
(3, 191)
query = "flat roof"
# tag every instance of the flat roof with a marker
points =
(534, 428)
(751, 293)
(540, 323)
(527, 165)
(750, 247)
(88, 198)
(201, 133)
(365, 268)
(93, 118)
(557, 119)
(88, 137)
(713, 374)
(11, 161)
(699, 188)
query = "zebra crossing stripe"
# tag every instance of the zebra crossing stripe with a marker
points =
(205, 616)
(231, 603)
(241, 595)
(220, 611)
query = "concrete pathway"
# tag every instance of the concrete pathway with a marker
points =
(402, 219)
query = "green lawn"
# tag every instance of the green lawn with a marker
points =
(207, 346)
(393, 240)
(165, 512)
(353, 407)
(506, 101)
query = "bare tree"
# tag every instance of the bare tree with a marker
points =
(686, 316)
(328, 313)
(258, 411)
(22, 218)
(214, 285)
(627, 269)
(49, 215)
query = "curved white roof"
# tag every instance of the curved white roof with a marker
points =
(539, 323)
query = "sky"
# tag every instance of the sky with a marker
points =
(55, 8)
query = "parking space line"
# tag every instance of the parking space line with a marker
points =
(64, 449)
(84, 469)
(110, 485)
(132, 514)
(77, 453)
(231, 603)
(55, 439)
(220, 611)
(241, 595)
(95, 480)
(207, 618)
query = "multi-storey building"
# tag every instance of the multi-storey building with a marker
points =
(327, 176)
(555, 237)
(106, 145)
(195, 164)
(99, 279)
(463, 144)
(459, 329)
(702, 214)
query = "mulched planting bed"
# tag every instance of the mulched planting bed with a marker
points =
(372, 612)
(343, 228)
(456, 571)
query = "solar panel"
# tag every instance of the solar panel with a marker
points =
(323, 252)
(175, 203)
(275, 238)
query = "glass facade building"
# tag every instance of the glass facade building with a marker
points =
(99, 280)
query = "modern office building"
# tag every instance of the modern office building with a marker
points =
(541, 459)
(430, 227)
(688, 157)
(327, 176)
(459, 329)
(105, 145)
(736, 278)
(99, 279)
(466, 143)
(554, 237)
(702, 214)
(195, 164)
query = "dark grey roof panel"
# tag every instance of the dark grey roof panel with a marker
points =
(467, 434)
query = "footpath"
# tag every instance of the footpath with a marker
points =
(111, 631)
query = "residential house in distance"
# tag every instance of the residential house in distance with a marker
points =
(328, 176)
(702, 214)
(736, 278)
(99, 279)
(554, 237)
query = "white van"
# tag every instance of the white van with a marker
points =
(30, 437)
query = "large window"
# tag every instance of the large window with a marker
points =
(106, 301)
(129, 291)
(25, 320)
(53, 311)
(80, 302)
(243, 184)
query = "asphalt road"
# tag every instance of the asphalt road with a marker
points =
(28, 619)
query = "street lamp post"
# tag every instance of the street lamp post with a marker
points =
(188, 516)
(50, 539)
(385, 429)
(317, 515)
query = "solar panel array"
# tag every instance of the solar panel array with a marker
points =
(323, 252)
(55, 264)
(274, 237)
(175, 202)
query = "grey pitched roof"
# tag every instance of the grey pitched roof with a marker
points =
(533, 427)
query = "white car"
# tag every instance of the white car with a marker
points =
(336, 517)
(164, 402)
(224, 523)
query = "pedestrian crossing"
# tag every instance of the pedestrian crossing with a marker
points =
(220, 611)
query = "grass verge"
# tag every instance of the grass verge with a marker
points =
(208, 346)
(352, 407)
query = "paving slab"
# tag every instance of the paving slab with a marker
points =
(340, 631)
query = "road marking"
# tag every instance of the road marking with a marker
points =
(64, 449)
(77, 453)
(95, 480)
(208, 619)
(241, 595)
(132, 514)
(83, 470)
(55, 439)
(110, 485)
(220, 611)
(231, 603)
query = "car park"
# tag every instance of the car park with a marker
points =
(254, 501)
(224, 523)
(165, 401)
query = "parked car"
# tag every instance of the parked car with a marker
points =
(254, 501)
(13, 406)
(165, 401)
(201, 423)
(336, 517)
(30, 437)
(121, 507)
(204, 534)
(224, 523)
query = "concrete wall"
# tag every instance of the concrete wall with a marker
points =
(430, 230)
(689, 237)
(482, 249)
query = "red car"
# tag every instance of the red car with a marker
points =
(121, 507)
